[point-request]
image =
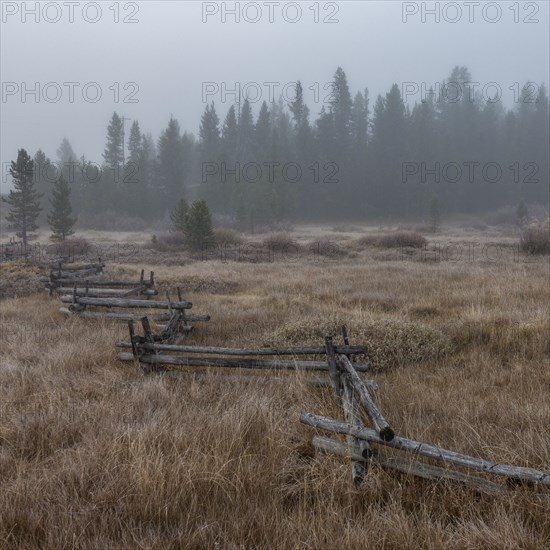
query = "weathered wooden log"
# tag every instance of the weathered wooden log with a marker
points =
(54, 275)
(98, 283)
(124, 302)
(107, 292)
(359, 447)
(245, 351)
(514, 473)
(111, 315)
(80, 267)
(239, 363)
(373, 412)
(412, 467)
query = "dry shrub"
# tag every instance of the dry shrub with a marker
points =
(164, 242)
(535, 238)
(77, 246)
(325, 246)
(19, 279)
(367, 240)
(390, 343)
(224, 236)
(397, 239)
(401, 239)
(280, 242)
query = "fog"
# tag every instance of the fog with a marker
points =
(170, 52)
(66, 67)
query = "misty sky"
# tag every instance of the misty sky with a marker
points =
(170, 52)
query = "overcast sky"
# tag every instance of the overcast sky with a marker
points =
(162, 60)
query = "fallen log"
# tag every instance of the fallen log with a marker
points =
(224, 362)
(107, 292)
(123, 302)
(375, 416)
(116, 316)
(418, 469)
(55, 275)
(240, 351)
(79, 267)
(514, 473)
(100, 283)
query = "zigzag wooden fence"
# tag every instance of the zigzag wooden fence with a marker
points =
(363, 442)
(353, 394)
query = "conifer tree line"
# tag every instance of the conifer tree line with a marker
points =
(357, 158)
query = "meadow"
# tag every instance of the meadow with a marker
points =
(95, 454)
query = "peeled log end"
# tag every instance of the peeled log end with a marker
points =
(387, 434)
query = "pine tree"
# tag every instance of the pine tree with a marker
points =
(246, 133)
(179, 216)
(435, 216)
(24, 199)
(134, 143)
(230, 136)
(262, 134)
(60, 218)
(341, 110)
(522, 213)
(171, 163)
(44, 177)
(198, 230)
(114, 148)
(209, 134)
(65, 153)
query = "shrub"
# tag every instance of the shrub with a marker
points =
(535, 238)
(164, 242)
(400, 239)
(73, 247)
(198, 230)
(324, 246)
(280, 242)
(390, 343)
(227, 236)
(397, 239)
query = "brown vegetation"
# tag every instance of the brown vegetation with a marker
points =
(95, 455)
(535, 238)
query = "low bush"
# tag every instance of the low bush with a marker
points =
(224, 236)
(397, 239)
(535, 238)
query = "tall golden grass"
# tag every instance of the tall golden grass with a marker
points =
(96, 455)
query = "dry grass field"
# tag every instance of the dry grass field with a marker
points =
(94, 454)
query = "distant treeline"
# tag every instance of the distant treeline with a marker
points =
(355, 160)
